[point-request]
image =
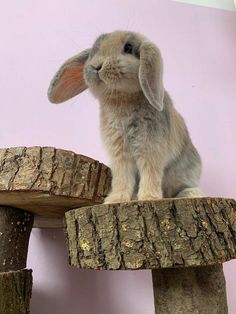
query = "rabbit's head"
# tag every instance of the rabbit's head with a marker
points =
(121, 61)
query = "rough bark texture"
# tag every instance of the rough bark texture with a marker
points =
(49, 181)
(15, 292)
(195, 290)
(15, 228)
(152, 234)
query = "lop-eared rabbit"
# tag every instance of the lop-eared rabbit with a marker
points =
(151, 152)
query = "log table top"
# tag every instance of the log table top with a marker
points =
(49, 181)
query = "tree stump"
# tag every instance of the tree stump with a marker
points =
(15, 292)
(48, 181)
(183, 241)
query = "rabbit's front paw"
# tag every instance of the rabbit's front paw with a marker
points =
(190, 192)
(117, 198)
(149, 196)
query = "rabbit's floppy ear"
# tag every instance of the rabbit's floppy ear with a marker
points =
(151, 73)
(68, 81)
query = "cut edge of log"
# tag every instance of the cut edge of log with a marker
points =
(43, 203)
(49, 209)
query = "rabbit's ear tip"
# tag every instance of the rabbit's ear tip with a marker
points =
(157, 105)
(160, 106)
(51, 97)
(55, 100)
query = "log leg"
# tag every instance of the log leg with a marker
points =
(15, 292)
(15, 281)
(195, 290)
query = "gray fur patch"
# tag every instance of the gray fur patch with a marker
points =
(97, 44)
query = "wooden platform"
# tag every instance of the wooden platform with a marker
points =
(49, 181)
(152, 234)
(183, 241)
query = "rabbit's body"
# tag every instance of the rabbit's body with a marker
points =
(151, 152)
(140, 137)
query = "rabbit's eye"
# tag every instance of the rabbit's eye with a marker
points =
(128, 48)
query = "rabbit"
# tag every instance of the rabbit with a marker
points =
(151, 152)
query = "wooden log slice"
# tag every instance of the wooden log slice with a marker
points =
(49, 181)
(15, 292)
(15, 229)
(152, 234)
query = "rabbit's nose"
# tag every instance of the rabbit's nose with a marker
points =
(97, 67)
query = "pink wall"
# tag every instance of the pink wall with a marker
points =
(198, 46)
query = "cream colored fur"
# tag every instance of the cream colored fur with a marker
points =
(151, 153)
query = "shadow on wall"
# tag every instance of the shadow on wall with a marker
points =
(88, 291)
(81, 293)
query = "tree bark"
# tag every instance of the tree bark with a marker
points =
(49, 181)
(152, 234)
(15, 292)
(15, 229)
(195, 290)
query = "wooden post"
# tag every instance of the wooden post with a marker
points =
(195, 290)
(15, 229)
(183, 241)
(15, 281)
(15, 292)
